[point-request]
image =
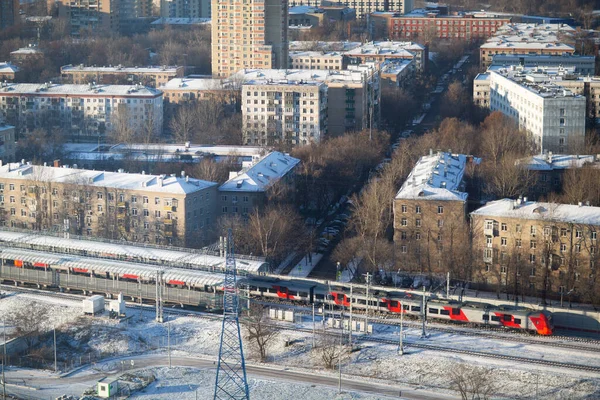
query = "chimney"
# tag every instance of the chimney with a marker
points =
(183, 174)
(22, 161)
(430, 152)
(549, 157)
(187, 178)
(143, 172)
(525, 200)
(56, 163)
(159, 181)
(580, 204)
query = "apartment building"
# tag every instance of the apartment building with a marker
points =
(380, 52)
(549, 170)
(428, 25)
(489, 50)
(430, 214)
(318, 16)
(103, 16)
(549, 111)
(180, 23)
(185, 8)
(248, 189)
(248, 34)
(29, 54)
(151, 76)
(172, 210)
(528, 246)
(84, 112)
(398, 73)
(541, 32)
(297, 107)
(186, 90)
(363, 7)
(9, 13)
(321, 46)
(8, 72)
(8, 146)
(317, 60)
(583, 65)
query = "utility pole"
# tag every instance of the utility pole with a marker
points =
(423, 333)
(159, 299)
(401, 339)
(350, 324)
(368, 275)
(169, 342)
(313, 335)
(55, 363)
(448, 285)
(4, 359)
(340, 359)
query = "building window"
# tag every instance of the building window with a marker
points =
(146, 212)
(533, 231)
(532, 258)
(594, 235)
(404, 222)
(503, 269)
(403, 235)
(578, 234)
(563, 232)
(418, 223)
(532, 272)
(99, 195)
(440, 209)
(532, 244)
(489, 225)
(440, 223)
(145, 200)
(518, 228)
(404, 208)
(224, 197)
(503, 227)
(503, 241)
(404, 249)
(563, 247)
(488, 241)
(157, 213)
(418, 209)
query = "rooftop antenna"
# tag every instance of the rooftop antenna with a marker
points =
(231, 382)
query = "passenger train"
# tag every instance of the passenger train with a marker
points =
(203, 288)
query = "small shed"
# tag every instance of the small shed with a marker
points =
(107, 388)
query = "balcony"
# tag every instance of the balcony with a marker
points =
(169, 208)
(168, 221)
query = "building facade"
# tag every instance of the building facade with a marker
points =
(362, 7)
(172, 210)
(380, 52)
(247, 190)
(9, 13)
(489, 50)
(529, 247)
(552, 114)
(430, 215)
(426, 25)
(185, 8)
(248, 34)
(297, 107)
(153, 76)
(317, 60)
(8, 145)
(8, 72)
(583, 65)
(319, 16)
(85, 112)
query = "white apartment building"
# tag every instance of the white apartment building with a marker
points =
(317, 60)
(248, 34)
(84, 112)
(554, 115)
(296, 107)
(389, 50)
(363, 7)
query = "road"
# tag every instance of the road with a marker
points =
(18, 381)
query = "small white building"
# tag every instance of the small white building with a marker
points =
(107, 388)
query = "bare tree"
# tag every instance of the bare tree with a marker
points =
(473, 382)
(183, 125)
(260, 332)
(330, 351)
(121, 130)
(29, 321)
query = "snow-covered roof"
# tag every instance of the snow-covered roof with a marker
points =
(509, 208)
(482, 77)
(120, 268)
(7, 67)
(5, 127)
(304, 10)
(300, 76)
(499, 44)
(26, 51)
(262, 174)
(532, 29)
(317, 54)
(549, 161)
(437, 177)
(197, 84)
(117, 180)
(545, 83)
(181, 21)
(299, 45)
(387, 49)
(143, 254)
(395, 66)
(152, 69)
(40, 89)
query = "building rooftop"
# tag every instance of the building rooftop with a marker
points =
(305, 10)
(158, 152)
(322, 46)
(181, 21)
(153, 69)
(527, 29)
(435, 13)
(264, 173)
(395, 66)
(482, 77)
(499, 44)
(197, 84)
(90, 90)
(541, 211)
(319, 54)
(5, 127)
(116, 180)
(7, 67)
(542, 82)
(26, 51)
(549, 161)
(437, 177)
(395, 49)
(530, 60)
(300, 76)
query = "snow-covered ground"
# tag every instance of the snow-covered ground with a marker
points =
(374, 362)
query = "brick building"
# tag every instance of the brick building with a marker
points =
(159, 209)
(527, 247)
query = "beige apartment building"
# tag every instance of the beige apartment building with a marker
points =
(248, 189)
(430, 216)
(488, 50)
(185, 8)
(317, 60)
(526, 247)
(159, 209)
(248, 34)
(8, 146)
(363, 7)
(186, 90)
(152, 76)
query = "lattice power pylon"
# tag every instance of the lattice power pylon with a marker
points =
(231, 380)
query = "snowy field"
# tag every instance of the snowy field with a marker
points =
(424, 370)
